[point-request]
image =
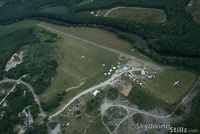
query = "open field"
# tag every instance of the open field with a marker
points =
(78, 63)
(162, 85)
(102, 37)
(144, 15)
(194, 9)
(60, 10)
(69, 75)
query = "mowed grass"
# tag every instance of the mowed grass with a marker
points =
(78, 63)
(144, 15)
(162, 86)
(60, 10)
(102, 37)
(194, 9)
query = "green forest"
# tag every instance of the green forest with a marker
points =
(16, 103)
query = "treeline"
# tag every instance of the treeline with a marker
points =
(38, 60)
(93, 105)
(53, 103)
(11, 43)
(37, 129)
(142, 99)
(112, 93)
(16, 103)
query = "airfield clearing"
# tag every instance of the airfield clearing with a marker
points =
(145, 81)
(144, 15)
(194, 9)
(74, 69)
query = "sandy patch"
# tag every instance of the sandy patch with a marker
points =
(74, 87)
(57, 129)
(126, 88)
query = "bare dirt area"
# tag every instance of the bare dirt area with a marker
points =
(74, 87)
(126, 88)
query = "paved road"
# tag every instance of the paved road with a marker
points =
(103, 47)
(107, 82)
(8, 94)
(19, 81)
(43, 114)
(116, 8)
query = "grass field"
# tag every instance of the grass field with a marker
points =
(162, 85)
(144, 15)
(78, 63)
(74, 70)
(82, 63)
(60, 10)
(69, 76)
(102, 37)
(194, 8)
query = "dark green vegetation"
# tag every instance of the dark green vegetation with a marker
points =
(6, 85)
(142, 99)
(194, 9)
(37, 129)
(177, 39)
(112, 93)
(38, 60)
(193, 120)
(93, 105)
(9, 45)
(53, 103)
(16, 103)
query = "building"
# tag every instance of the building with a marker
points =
(95, 92)
(142, 72)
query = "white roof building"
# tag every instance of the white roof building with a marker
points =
(142, 72)
(95, 92)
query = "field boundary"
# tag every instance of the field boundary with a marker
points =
(120, 7)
